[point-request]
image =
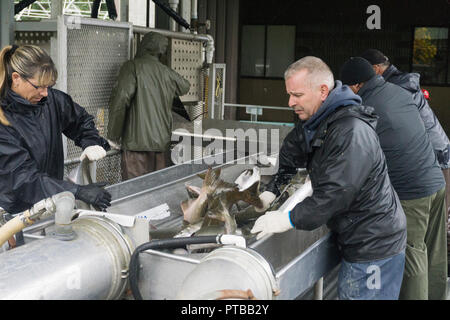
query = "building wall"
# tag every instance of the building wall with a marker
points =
(440, 103)
(336, 30)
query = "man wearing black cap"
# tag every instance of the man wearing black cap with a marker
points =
(415, 175)
(411, 82)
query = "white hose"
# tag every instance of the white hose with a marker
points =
(15, 225)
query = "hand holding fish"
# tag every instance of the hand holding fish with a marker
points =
(272, 222)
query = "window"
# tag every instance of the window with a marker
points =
(266, 51)
(431, 55)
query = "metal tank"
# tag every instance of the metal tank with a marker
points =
(230, 273)
(93, 265)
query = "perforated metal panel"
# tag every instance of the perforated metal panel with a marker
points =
(108, 169)
(38, 38)
(186, 59)
(94, 52)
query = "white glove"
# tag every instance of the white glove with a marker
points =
(114, 145)
(93, 153)
(272, 222)
(267, 198)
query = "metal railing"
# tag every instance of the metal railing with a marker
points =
(255, 110)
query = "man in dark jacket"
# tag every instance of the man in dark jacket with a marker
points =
(140, 111)
(415, 175)
(411, 82)
(337, 143)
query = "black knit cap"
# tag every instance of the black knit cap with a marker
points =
(356, 70)
(374, 56)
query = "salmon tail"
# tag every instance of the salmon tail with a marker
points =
(193, 191)
(251, 195)
(212, 177)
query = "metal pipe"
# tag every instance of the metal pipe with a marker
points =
(318, 289)
(92, 266)
(172, 13)
(209, 40)
(39, 226)
(174, 6)
(41, 210)
(65, 202)
(33, 236)
(194, 9)
(255, 106)
(194, 16)
(172, 34)
(185, 12)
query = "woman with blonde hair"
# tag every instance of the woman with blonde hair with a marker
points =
(33, 117)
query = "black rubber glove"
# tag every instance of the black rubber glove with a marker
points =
(282, 177)
(95, 195)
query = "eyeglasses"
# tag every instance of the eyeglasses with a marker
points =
(37, 87)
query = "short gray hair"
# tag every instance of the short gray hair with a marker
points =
(319, 72)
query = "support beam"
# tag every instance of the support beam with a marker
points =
(185, 13)
(221, 30)
(7, 23)
(122, 10)
(232, 52)
(56, 8)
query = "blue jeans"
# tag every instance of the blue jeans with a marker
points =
(372, 280)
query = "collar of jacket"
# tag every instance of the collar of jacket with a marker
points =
(408, 81)
(15, 103)
(364, 113)
(369, 85)
(390, 71)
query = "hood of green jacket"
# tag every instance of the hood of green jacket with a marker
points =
(152, 43)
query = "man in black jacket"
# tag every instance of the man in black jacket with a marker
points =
(337, 143)
(411, 82)
(415, 175)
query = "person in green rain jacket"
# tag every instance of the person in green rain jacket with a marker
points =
(140, 116)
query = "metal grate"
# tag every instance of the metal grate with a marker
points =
(42, 9)
(108, 169)
(38, 38)
(95, 53)
(186, 59)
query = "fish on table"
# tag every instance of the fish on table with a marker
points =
(213, 201)
(209, 208)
